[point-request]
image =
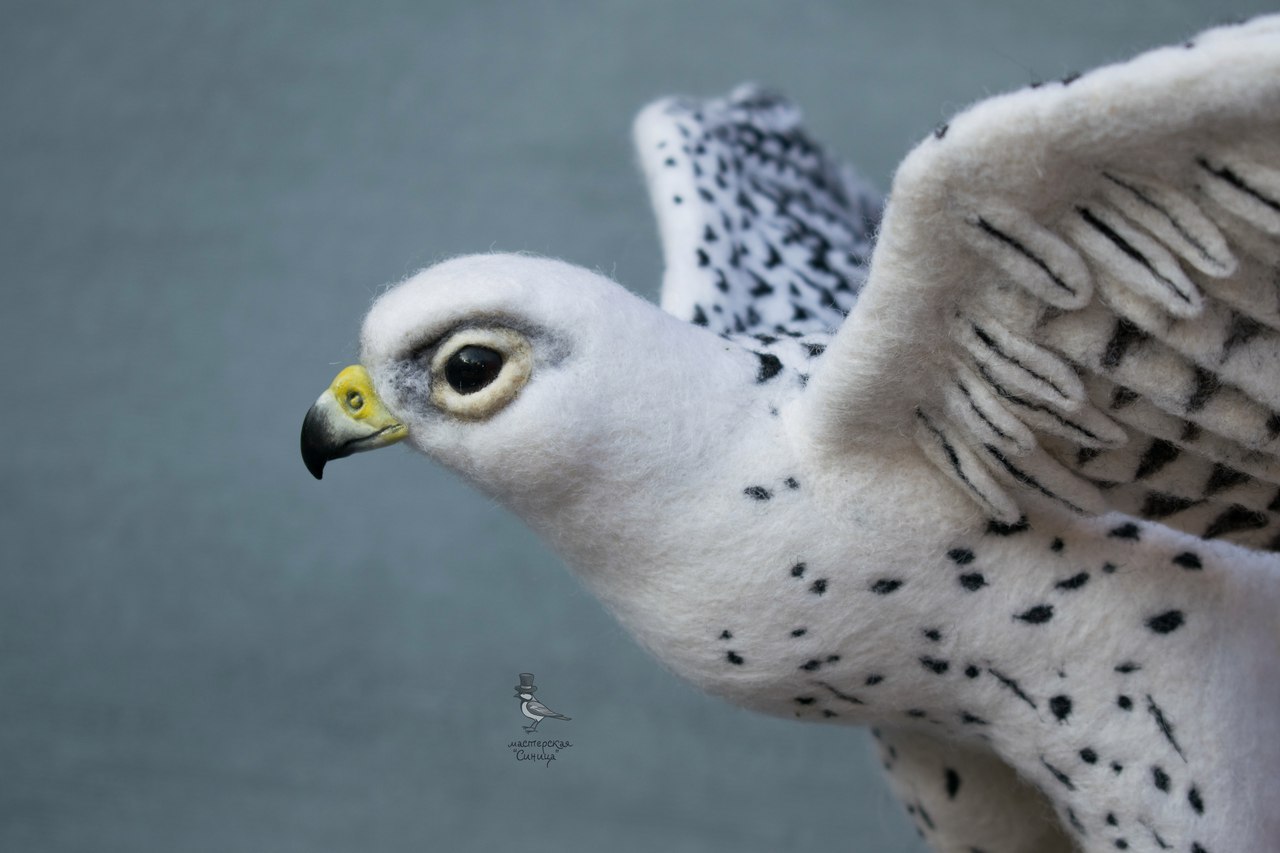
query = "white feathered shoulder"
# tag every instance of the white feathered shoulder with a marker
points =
(1075, 295)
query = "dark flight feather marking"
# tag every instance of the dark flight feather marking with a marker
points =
(1225, 174)
(1025, 252)
(991, 345)
(1029, 481)
(1157, 455)
(1131, 251)
(1169, 217)
(1124, 337)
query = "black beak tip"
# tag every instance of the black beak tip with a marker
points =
(316, 467)
(314, 452)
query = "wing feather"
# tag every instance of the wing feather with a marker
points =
(1075, 296)
(761, 231)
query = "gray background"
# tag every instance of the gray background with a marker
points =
(203, 649)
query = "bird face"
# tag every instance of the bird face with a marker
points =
(521, 373)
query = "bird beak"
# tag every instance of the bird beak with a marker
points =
(348, 418)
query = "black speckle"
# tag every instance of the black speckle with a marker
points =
(1108, 568)
(999, 528)
(972, 671)
(677, 199)
(1037, 615)
(941, 130)
(1128, 667)
(1074, 582)
(1070, 78)
(1170, 620)
(962, 556)
(952, 782)
(1166, 727)
(1088, 756)
(1111, 820)
(1058, 774)
(811, 665)
(932, 634)
(1121, 844)
(853, 700)
(1193, 797)
(1056, 545)
(1125, 703)
(1188, 561)
(799, 632)
(770, 366)
(827, 712)
(973, 581)
(819, 586)
(815, 350)
(735, 658)
(884, 586)
(726, 634)
(791, 483)
(1128, 530)
(805, 700)
(1160, 778)
(832, 658)
(760, 493)
(797, 571)
(916, 713)
(1061, 707)
(971, 719)
(1117, 767)
(873, 680)
(1196, 848)
(1012, 685)
(937, 667)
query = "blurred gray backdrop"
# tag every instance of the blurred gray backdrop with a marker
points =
(201, 648)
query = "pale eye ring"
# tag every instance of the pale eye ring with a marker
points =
(475, 372)
(472, 367)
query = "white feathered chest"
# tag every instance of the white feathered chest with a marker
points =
(924, 515)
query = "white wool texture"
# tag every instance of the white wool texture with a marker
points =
(1016, 512)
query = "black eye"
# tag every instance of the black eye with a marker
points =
(471, 368)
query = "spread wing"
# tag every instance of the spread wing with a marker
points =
(761, 232)
(1075, 296)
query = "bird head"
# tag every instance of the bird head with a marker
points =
(537, 380)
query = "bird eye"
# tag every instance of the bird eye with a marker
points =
(478, 370)
(472, 368)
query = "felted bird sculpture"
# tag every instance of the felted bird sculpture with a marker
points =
(1006, 489)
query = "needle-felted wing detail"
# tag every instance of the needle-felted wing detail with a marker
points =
(761, 232)
(1075, 296)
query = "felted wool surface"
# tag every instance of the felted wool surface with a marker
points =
(928, 517)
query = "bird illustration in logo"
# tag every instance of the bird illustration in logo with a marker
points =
(530, 707)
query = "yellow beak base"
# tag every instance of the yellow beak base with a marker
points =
(347, 418)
